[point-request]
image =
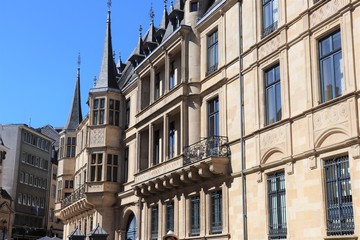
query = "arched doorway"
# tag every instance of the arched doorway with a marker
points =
(131, 228)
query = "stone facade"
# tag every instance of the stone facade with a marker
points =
(225, 123)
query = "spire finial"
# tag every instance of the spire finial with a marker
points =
(140, 30)
(152, 13)
(171, 5)
(79, 60)
(165, 3)
(95, 81)
(109, 4)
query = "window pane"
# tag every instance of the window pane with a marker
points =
(339, 80)
(336, 41)
(326, 77)
(325, 47)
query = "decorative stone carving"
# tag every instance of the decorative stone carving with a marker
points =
(355, 151)
(97, 137)
(273, 141)
(290, 168)
(259, 176)
(326, 11)
(269, 47)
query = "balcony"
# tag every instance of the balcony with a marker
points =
(201, 161)
(88, 196)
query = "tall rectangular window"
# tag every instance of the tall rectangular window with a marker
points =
(172, 76)
(170, 216)
(270, 16)
(154, 223)
(216, 212)
(114, 112)
(156, 156)
(96, 167)
(195, 215)
(277, 206)
(98, 111)
(213, 117)
(127, 114)
(112, 168)
(340, 215)
(172, 139)
(126, 164)
(272, 95)
(158, 86)
(212, 52)
(71, 147)
(331, 68)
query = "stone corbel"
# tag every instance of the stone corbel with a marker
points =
(355, 151)
(259, 176)
(290, 168)
(312, 162)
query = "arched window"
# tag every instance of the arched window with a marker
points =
(131, 228)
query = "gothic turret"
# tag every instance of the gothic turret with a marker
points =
(107, 76)
(75, 116)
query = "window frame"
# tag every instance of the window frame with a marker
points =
(274, 17)
(277, 214)
(216, 211)
(333, 66)
(96, 167)
(170, 216)
(98, 111)
(213, 117)
(276, 94)
(337, 205)
(195, 219)
(154, 225)
(212, 51)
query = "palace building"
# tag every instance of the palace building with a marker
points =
(230, 120)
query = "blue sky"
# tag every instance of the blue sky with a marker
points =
(39, 45)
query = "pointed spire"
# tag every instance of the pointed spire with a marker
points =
(165, 18)
(75, 116)
(107, 75)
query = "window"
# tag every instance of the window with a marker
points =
(19, 198)
(126, 164)
(340, 215)
(272, 95)
(195, 215)
(96, 167)
(212, 52)
(59, 190)
(156, 159)
(112, 168)
(216, 212)
(193, 6)
(270, 16)
(172, 139)
(61, 148)
(154, 223)
(172, 76)
(331, 70)
(69, 184)
(71, 147)
(158, 86)
(98, 111)
(170, 216)
(127, 114)
(277, 206)
(213, 117)
(114, 112)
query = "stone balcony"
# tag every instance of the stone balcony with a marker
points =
(88, 196)
(201, 161)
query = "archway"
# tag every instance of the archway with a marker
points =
(131, 228)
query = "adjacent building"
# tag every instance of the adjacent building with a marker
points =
(25, 175)
(230, 120)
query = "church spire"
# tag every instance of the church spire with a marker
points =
(107, 75)
(75, 116)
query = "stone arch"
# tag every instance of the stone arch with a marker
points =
(274, 153)
(129, 224)
(328, 137)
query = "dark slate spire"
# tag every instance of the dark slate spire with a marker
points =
(75, 116)
(165, 18)
(107, 76)
(138, 55)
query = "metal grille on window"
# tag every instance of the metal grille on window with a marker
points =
(170, 216)
(195, 216)
(277, 206)
(216, 212)
(340, 215)
(154, 223)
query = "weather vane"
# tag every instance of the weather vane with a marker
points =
(152, 14)
(79, 60)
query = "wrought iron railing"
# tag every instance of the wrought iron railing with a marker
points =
(269, 29)
(215, 146)
(75, 196)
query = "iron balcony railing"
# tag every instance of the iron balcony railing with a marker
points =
(75, 196)
(215, 146)
(269, 29)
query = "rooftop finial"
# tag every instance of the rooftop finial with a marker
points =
(140, 30)
(171, 5)
(79, 60)
(152, 13)
(95, 81)
(109, 4)
(165, 3)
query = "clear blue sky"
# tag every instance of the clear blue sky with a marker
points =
(39, 44)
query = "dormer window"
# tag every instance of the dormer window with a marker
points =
(193, 6)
